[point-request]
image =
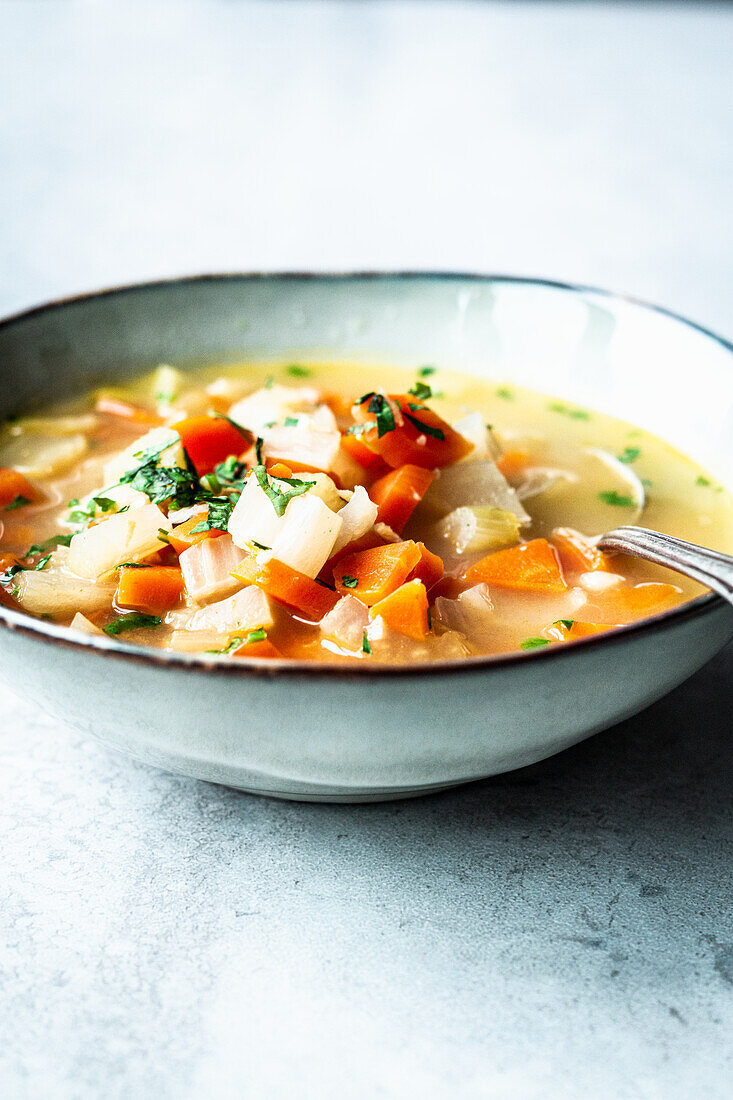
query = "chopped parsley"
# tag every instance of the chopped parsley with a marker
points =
(425, 372)
(49, 544)
(505, 393)
(280, 490)
(19, 502)
(365, 645)
(380, 406)
(421, 390)
(629, 455)
(217, 515)
(618, 500)
(704, 482)
(534, 643)
(230, 471)
(291, 422)
(42, 563)
(164, 483)
(269, 382)
(566, 410)
(258, 635)
(7, 576)
(133, 621)
(427, 429)
(360, 429)
(133, 565)
(96, 504)
(295, 370)
(259, 545)
(349, 581)
(567, 623)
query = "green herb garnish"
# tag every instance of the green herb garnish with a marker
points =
(291, 422)
(42, 563)
(618, 500)
(365, 646)
(505, 394)
(259, 635)
(629, 455)
(349, 581)
(704, 482)
(427, 429)
(133, 565)
(296, 371)
(421, 390)
(380, 406)
(534, 643)
(133, 621)
(281, 497)
(566, 410)
(567, 623)
(49, 544)
(425, 372)
(19, 502)
(7, 576)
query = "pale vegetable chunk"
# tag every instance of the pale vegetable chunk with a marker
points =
(470, 483)
(55, 591)
(346, 623)
(357, 517)
(54, 425)
(245, 610)
(254, 518)
(130, 536)
(471, 614)
(82, 624)
(302, 444)
(38, 455)
(478, 527)
(306, 538)
(271, 406)
(207, 568)
(163, 442)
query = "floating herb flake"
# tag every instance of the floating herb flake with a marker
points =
(427, 429)
(19, 502)
(567, 410)
(365, 645)
(703, 482)
(349, 581)
(618, 500)
(295, 370)
(505, 393)
(135, 621)
(421, 390)
(629, 455)
(534, 643)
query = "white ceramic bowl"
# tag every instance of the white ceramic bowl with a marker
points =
(305, 730)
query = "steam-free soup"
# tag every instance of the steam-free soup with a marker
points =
(339, 513)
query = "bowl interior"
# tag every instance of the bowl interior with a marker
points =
(602, 351)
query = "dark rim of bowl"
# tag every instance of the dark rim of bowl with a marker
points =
(49, 632)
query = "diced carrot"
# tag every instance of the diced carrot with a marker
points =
(577, 554)
(377, 572)
(529, 567)
(154, 589)
(429, 569)
(208, 440)
(366, 542)
(288, 586)
(398, 493)
(14, 485)
(279, 469)
(115, 406)
(624, 604)
(182, 535)
(439, 445)
(512, 464)
(265, 648)
(406, 610)
(365, 456)
(561, 632)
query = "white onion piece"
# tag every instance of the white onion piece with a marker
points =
(84, 625)
(537, 479)
(196, 641)
(37, 455)
(346, 622)
(357, 517)
(325, 488)
(55, 591)
(302, 444)
(131, 536)
(385, 532)
(54, 425)
(471, 614)
(245, 610)
(164, 440)
(599, 581)
(474, 429)
(124, 496)
(207, 567)
(307, 535)
(253, 517)
(271, 406)
(469, 483)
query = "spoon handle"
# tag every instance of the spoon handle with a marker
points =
(707, 566)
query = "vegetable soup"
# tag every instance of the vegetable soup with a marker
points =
(271, 511)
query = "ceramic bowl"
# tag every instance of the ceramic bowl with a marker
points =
(321, 732)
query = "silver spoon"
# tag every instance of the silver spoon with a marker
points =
(707, 566)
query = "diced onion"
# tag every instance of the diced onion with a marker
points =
(39, 455)
(271, 406)
(357, 517)
(304, 445)
(472, 614)
(599, 581)
(195, 641)
(207, 568)
(306, 538)
(474, 429)
(346, 622)
(469, 483)
(245, 610)
(84, 625)
(55, 591)
(129, 536)
(253, 517)
(478, 527)
(54, 425)
(164, 440)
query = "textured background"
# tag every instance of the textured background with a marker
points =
(561, 932)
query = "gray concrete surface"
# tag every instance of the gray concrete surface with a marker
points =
(561, 932)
